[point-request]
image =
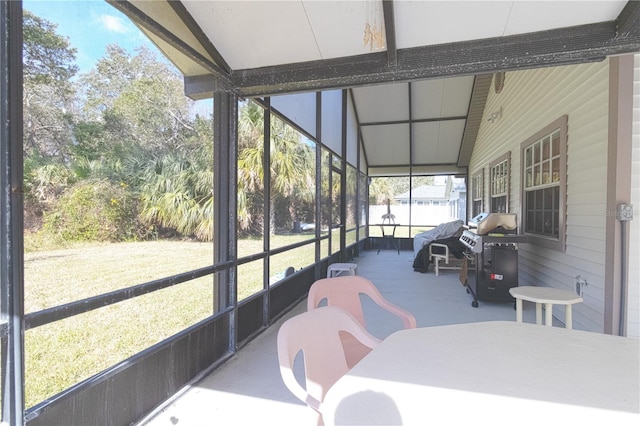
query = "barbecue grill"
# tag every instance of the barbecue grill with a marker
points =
(493, 239)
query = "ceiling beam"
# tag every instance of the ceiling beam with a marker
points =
(197, 32)
(144, 21)
(481, 87)
(390, 32)
(414, 120)
(417, 169)
(629, 19)
(579, 44)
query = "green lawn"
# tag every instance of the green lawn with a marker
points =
(61, 354)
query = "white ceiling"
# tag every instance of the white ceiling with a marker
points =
(253, 34)
(417, 123)
(431, 114)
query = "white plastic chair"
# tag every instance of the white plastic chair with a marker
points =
(317, 334)
(344, 292)
(443, 254)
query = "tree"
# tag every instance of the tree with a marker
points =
(292, 177)
(379, 191)
(48, 95)
(291, 171)
(250, 169)
(48, 91)
(177, 194)
(137, 117)
(139, 100)
(384, 188)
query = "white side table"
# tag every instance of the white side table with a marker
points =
(336, 269)
(549, 296)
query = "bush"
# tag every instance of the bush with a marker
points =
(94, 210)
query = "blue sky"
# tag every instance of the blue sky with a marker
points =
(90, 25)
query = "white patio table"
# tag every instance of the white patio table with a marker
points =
(549, 296)
(499, 373)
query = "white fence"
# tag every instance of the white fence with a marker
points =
(420, 215)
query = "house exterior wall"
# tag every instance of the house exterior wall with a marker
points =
(633, 299)
(529, 101)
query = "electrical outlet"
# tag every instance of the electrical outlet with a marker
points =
(580, 284)
(624, 212)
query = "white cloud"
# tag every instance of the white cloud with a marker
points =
(113, 24)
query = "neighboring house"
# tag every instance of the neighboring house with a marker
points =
(441, 201)
(458, 198)
(436, 194)
(553, 147)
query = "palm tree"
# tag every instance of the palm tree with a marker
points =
(250, 168)
(292, 170)
(176, 193)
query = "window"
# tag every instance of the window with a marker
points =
(544, 175)
(477, 188)
(499, 172)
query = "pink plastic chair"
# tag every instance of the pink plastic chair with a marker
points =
(344, 292)
(317, 334)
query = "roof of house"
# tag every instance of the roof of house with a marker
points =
(426, 192)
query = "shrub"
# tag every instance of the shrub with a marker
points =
(94, 210)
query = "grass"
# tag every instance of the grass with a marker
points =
(63, 353)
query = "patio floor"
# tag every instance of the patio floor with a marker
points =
(248, 390)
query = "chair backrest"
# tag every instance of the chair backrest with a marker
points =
(317, 334)
(344, 292)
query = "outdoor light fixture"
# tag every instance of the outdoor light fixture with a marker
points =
(495, 115)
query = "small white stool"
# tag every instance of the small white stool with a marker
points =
(549, 296)
(336, 269)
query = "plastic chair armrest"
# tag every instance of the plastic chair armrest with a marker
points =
(407, 318)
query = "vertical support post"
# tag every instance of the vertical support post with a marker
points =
(362, 202)
(266, 234)
(618, 185)
(11, 213)
(318, 210)
(411, 143)
(343, 180)
(225, 141)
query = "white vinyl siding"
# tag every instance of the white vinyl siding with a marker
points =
(633, 317)
(531, 100)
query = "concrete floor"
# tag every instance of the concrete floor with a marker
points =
(248, 390)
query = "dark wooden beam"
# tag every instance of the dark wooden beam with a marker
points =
(197, 32)
(409, 121)
(579, 44)
(144, 21)
(390, 32)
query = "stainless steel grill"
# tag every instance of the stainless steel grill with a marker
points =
(476, 243)
(494, 245)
